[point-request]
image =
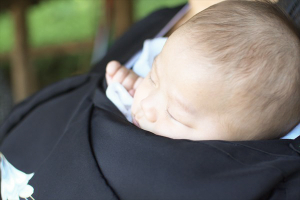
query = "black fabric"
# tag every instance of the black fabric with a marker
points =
(160, 168)
(295, 145)
(81, 147)
(49, 135)
(292, 8)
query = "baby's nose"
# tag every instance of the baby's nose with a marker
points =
(149, 110)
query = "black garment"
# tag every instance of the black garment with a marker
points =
(81, 147)
(292, 8)
(5, 97)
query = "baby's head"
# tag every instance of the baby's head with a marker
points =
(232, 72)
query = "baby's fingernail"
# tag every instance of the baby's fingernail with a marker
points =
(131, 92)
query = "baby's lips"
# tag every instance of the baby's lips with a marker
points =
(135, 122)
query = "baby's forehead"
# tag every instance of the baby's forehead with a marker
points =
(189, 87)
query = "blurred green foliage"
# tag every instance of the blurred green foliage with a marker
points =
(55, 22)
(6, 32)
(143, 7)
(51, 70)
(58, 21)
(61, 21)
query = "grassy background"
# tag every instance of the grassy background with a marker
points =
(59, 21)
(56, 22)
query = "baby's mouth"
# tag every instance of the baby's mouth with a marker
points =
(135, 122)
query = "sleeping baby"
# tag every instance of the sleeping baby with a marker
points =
(229, 73)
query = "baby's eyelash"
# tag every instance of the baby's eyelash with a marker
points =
(167, 110)
(151, 79)
(170, 114)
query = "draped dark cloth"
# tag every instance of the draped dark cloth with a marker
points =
(80, 146)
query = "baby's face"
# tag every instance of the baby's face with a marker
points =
(179, 97)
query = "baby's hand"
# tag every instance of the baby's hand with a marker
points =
(115, 72)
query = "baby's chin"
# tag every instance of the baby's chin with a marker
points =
(140, 125)
(147, 128)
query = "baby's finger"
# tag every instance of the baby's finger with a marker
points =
(108, 79)
(129, 81)
(131, 92)
(112, 67)
(138, 82)
(120, 75)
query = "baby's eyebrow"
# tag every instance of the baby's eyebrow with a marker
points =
(155, 67)
(185, 107)
(155, 59)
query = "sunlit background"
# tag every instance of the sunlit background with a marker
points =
(61, 38)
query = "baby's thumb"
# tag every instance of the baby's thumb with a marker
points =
(112, 67)
(108, 79)
(131, 92)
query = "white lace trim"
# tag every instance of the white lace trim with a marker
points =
(14, 183)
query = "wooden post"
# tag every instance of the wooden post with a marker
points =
(23, 77)
(123, 16)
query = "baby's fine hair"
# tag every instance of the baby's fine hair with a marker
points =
(257, 49)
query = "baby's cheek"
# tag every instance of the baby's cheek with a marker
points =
(163, 128)
(141, 92)
(172, 130)
(137, 98)
(134, 105)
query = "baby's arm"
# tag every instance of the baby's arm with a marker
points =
(115, 72)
